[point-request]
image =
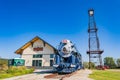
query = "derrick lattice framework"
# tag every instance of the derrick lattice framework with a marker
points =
(94, 51)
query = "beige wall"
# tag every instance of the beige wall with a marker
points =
(28, 59)
(28, 53)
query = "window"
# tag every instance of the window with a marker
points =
(51, 55)
(33, 63)
(51, 62)
(37, 63)
(40, 56)
(40, 62)
(33, 56)
(37, 56)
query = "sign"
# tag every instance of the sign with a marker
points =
(38, 49)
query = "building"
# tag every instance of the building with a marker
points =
(37, 53)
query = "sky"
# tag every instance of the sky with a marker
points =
(55, 20)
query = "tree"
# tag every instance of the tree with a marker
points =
(109, 61)
(92, 65)
(86, 65)
(118, 62)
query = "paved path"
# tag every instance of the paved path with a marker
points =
(80, 75)
(39, 75)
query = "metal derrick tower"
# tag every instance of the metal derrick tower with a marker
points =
(94, 51)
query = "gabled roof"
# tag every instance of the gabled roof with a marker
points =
(19, 51)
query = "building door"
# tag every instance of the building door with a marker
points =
(37, 63)
(51, 62)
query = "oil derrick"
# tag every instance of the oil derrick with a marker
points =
(94, 51)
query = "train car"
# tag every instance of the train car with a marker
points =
(16, 62)
(67, 59)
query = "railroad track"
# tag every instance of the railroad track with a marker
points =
(58, 76)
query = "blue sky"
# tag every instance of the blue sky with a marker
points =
(54, 20)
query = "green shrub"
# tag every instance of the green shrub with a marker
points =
(12, 69)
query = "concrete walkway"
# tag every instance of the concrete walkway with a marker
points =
(80, 75)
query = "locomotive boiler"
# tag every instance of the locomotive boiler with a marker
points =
(67, 59)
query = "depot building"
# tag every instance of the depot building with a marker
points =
(37, 53)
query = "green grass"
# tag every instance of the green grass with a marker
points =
(105, 75)
(15, 71)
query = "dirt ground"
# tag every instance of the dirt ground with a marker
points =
(39, 75)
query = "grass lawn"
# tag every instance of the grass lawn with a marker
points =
(105, 74)
(7, 75)
(14, 71)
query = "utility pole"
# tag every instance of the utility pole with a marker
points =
(94, 51)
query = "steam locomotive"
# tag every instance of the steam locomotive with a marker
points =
(67, 59)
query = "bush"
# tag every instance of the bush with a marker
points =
(4, 67)
(3, 61)
(12, 69)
